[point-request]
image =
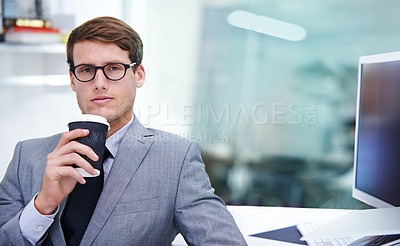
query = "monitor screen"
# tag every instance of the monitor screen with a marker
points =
(377, 138)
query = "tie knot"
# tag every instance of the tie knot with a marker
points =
(106, 154)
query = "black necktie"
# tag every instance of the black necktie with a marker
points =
(80, 205)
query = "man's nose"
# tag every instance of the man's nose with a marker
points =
(100, 80)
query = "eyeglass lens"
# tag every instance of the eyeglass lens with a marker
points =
(113, 71)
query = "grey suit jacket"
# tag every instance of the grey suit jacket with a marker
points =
(156, 188)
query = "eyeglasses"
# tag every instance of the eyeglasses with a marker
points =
(113, 71)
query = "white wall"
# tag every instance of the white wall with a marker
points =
(171, 42)
(30, 112)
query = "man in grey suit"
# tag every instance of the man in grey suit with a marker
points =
(155, 184)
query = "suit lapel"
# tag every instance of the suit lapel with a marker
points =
(131, 152)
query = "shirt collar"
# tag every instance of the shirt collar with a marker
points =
(114, 141)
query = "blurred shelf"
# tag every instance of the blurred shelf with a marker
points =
(49, 48)
(35, 80)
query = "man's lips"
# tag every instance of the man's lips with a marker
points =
(101, 99)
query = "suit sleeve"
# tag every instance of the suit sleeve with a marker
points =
(11, 204)
(200, 215)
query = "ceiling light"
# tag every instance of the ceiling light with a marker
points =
(266, 25)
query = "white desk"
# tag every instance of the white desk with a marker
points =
(252, 220)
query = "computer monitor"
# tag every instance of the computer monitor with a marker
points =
(377, 135)
(376, 155)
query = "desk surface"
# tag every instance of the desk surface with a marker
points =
(252, 220)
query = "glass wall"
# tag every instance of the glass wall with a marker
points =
(275, 117)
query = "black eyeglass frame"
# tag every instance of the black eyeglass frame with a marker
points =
(126, 66)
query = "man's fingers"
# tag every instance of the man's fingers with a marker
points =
(79, 161)
(69, 171)
(69, 152)
(74, 147)
(74, 158)
(79, 148)
(71, 135)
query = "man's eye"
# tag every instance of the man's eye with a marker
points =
(115, 68)
(85, 69)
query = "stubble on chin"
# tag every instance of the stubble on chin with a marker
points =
(123, 117)
(109, 112)
(112, 112)
(113, 115)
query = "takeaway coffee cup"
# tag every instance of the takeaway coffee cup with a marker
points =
(98, 127)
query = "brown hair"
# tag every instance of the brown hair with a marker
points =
(107, 30)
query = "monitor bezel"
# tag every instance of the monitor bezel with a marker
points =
(357, 193)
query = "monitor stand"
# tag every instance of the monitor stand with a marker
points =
(360, 223)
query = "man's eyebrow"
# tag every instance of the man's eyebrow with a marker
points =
(103, 64)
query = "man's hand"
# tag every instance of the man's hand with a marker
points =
(59, 176)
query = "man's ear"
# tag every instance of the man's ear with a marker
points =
(140, 75)
(71, 78)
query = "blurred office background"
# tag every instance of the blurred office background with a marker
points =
(266, 87)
